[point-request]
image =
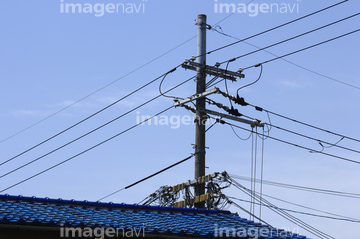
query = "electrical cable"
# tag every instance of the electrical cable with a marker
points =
(308, 125)
(271, 29)
(313, 209)
(302, 188)
(82, 152)
(282, 213)
(299, 146)
(289, 131)
(299, 212)
(92, 115)
(148, 177)
(251, 214)
(211, 81)
(296, 121)
(303, 49)
(210, 126)
(303, 147)
(292, 38)
(92, 131)
(214, 84)
(252, 174)
(277, 210)
(237, 92)
(239, 136)
(317, 140)
(302, 67)
(226, 87)
(163, 81)
(255, 168)
(308, 137)
(94, 92)
(261, 171)
(156, 58)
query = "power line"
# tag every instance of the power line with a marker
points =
(146, 178)
(82, 152)
(311, 138)
(299, 212)
(251, 214)
(244, 103)
(280, 128)
(302, 188)
(306, 69)
(94, 92)
(303, 49)
(299, 146)
(302, 206)
(242, 87)
(314, 139)
(280, 212)
(92, 131)
(271, 29)
(292, 38)
(92, 115)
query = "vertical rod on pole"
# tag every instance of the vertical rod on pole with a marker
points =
(200, 103)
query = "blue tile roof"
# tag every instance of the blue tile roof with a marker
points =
(190, 222)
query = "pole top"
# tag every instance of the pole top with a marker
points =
(201, 16)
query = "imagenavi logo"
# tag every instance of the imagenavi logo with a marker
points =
(254, 9)
(100, 9)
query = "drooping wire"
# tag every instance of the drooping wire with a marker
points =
(148, 177)
(161, 93)
(303, 49)
(227, 90)
(92, 115)
(92, 131)
(239, 136)
(82, 152)
(242, 87)
(331, 145)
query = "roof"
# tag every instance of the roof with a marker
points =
(154, 220)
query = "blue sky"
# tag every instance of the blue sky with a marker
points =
(50, 60)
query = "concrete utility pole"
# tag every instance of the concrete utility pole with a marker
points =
(200, 104)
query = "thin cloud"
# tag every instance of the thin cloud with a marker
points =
(291, 84)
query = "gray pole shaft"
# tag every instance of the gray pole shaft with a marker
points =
(200, 104)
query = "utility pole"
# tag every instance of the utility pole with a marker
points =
(200, 104)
